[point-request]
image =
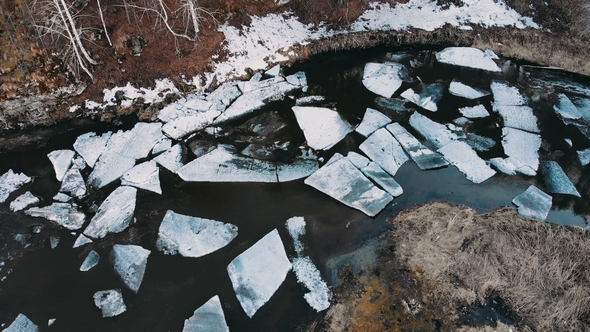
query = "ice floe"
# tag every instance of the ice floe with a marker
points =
(518, 117)
(110, 302)
(566, 109)
(54, 241)
(24, 201)
(11, 182)
(296, 228)
(308, 274)
(434, 132)
(109, 168)
(208, 317)
(143, 176)
(61, 160)
(478, 142)
(459, 89)
(258, 272)
(505, 94)
(192, 236)
(478, 111)
(81, 240)
(61, 197)
(90, 146)
(556, 180)
(22, 324)
(468, 57)
(162, 146)
(173, 159)
(322, 127)
(522, 146)
(298, 169)
(73, 183)
(385, 150)
(129, 263)
(427, 98)
(503, 165)
(372, 120)
(309, 100)
(382, 78)
(65, 214)
(462, 156)
(584, 157)
(533, 203)
(181, 127)
(374, 172)
(114, 214)
(421, 155)
(90, 261)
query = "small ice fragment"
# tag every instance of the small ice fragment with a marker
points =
(209, 317)
(556, 180)
(90, 146)
(467, 57)
(461, 122)
(467, 161)
(192, 236)
(503, 165)
(163, 145)
(474, 112)
(298, 79)
(518, 117)
(569, 141)
(566, 109)
(296, 228)
(523, 146)
(61, 160)
(24, 201)
(382, 78)
(129, 262)
(110, 302)
(308, 274)
(172, 159)
(81, 240)
(505, 94)
(51, 321)
(584, 157)
(322, 127)
(258, 272)
(90, 261)
(11, 182)
(385, 150)
(53, 241)
(372, 120)
(459, 89)
(274, 71)
(114, 214)
(61, 197)
(73, 183)
(64, 214)
(434, 132)
(427, 99)
(22, 324)
(309, 100)
(533, 203)
(421, 155)
(143, 176)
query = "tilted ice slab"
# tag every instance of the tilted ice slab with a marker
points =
(258, 272)
(90, 146)
(341, 180)
(518, 117)
(22, 324)
(61, 160)
(65, 214)
(505, 94)
(533, 203)
(372, 120)
(434, 132)
(192, 236)
(374, 172)
(81, 240)
(163, 145)
(421, 155)
(322, 127)
(385, 150)
(173, 159)
(566, 110)
(11, 182)
(503, 165)
(427, 99)
(556, 180)
(296, 228)
(73, 183)
(468, 57)
(138, 142)
(522, 146)
(24, 201)
(462, 156)
(382, 78)
(584, 157)
(114, 214)
(459, 89)
(208, 317)
(474, 112)
(110, 167)
(308, 275)
(129, 262)
(143, 176)
(182, 126)
(90, 261)
(110, 302)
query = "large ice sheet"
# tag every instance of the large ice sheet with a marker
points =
(434, 132)
(192, 236)
(22, 324)
(523, 146)
(533, 203)
(459, 89)
(385, 150)
(143, 176)
(372, 120)
(11, 182)
(556, 180)
(114, 214)
(468, 57)
(73, 183)
(428, 98)
(478, 111)
(173, 159)
(298, 169)
(258, 272)
(90, 261)
(467, 161)
(296, 228)
(322, 127)
(505, 94)
(566, 109)
(61, 160)
(308, 274)
(345, 183)
(209, 317)
(421, 155)
(110, 302)
(382, 78)
(110, 167)
(518, 117)
(129, 262)
(24, 201)
(90, 146)
(64, 214)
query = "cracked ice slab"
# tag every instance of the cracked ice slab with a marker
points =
(114, 214)
(468, 57)
(533, 203)
(459, 89)
(427, 99)
(434, 132)
(462, 156)
(505, 94)
(192, 236)
(73, 183)
(110, 167)
(341, 180)
(65, 214)
(298, 169)
(208, 317)
(90, 261)
(22, 324)
(129, 263)
(137, 142)
(24, 201)
(474, 112)
(81, 240)
(523, 146)
(182, 126)
(421, 155)
(90, 146)
(191, 105)
(566, 110)
(518, 117)
(322, 127)
(584, 157)
(173, 159)
(385, 150)
(11, 182)
(61, 160)
(308, 275)
(143, 176)
(372, 120)
(110, 302)
(382, 78)
(374, 172)
(556, 180)
(258, 272)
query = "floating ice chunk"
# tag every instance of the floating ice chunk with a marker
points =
(434, 132)
(584, 157)
(64, 214)
(474, 112)
(309, 100)
(345, 183)
(359, 161)
(421, 155)
(110, 302)
(90, 261)
(225, 94)
(185, 125)
(81, 240)
(568, 141)
(468, 57)
(258, 272)
(61, 160)
(24, 201)
(162, 146)
(143, 176)
(478, 142)
(533, 203)
(507, 95)
(322, 127)
(114, 214)
(566, 109)
(382, 78)
(372, 120)
(374, 172)
(110, 167)
(523, 146)
(385, 150)
(467, 161)
(309, 275)
(459, 89)
(518, 117)
(427, 99)
(172, 159)
(11, 182)
(138, 142)
(129, 262)
(461, 122)
(53, 241)
(61, 197)
(296, 228)
(78, 163)
(298, 169)
(556, 180)
(209, 317)
(22, 324)
(51, 321)
(73, 183)
(90, 146)
(192, 236)
(274, 71)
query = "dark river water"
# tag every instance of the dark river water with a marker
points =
(45, 283)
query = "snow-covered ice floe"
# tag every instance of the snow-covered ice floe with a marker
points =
(478, 111)
(584, 157)
(308, 274)
(372, 120)
(421, 155)
(90, 146)
(24, 201)
(129, 263)
(61, 160)
(172, 159)
(73, 183)
(566, 110)
(504, 94)
(427, 98)
(523, 149)
(110, 302)
(374, 172)
(518, 117)
(459, 89)
(65, 214)
(192, 236)
(81, 240)
(322, 127)
(143, 176)
(257, 273)
(208, 317)
(296, 228)
(22, 324)
(434, 132)
(462, 156)
(11, 182)
(90, 261)
(114, 214)
(556, 180)
(533, 203)
(385, 150)
(468, 57)
(383, 78)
